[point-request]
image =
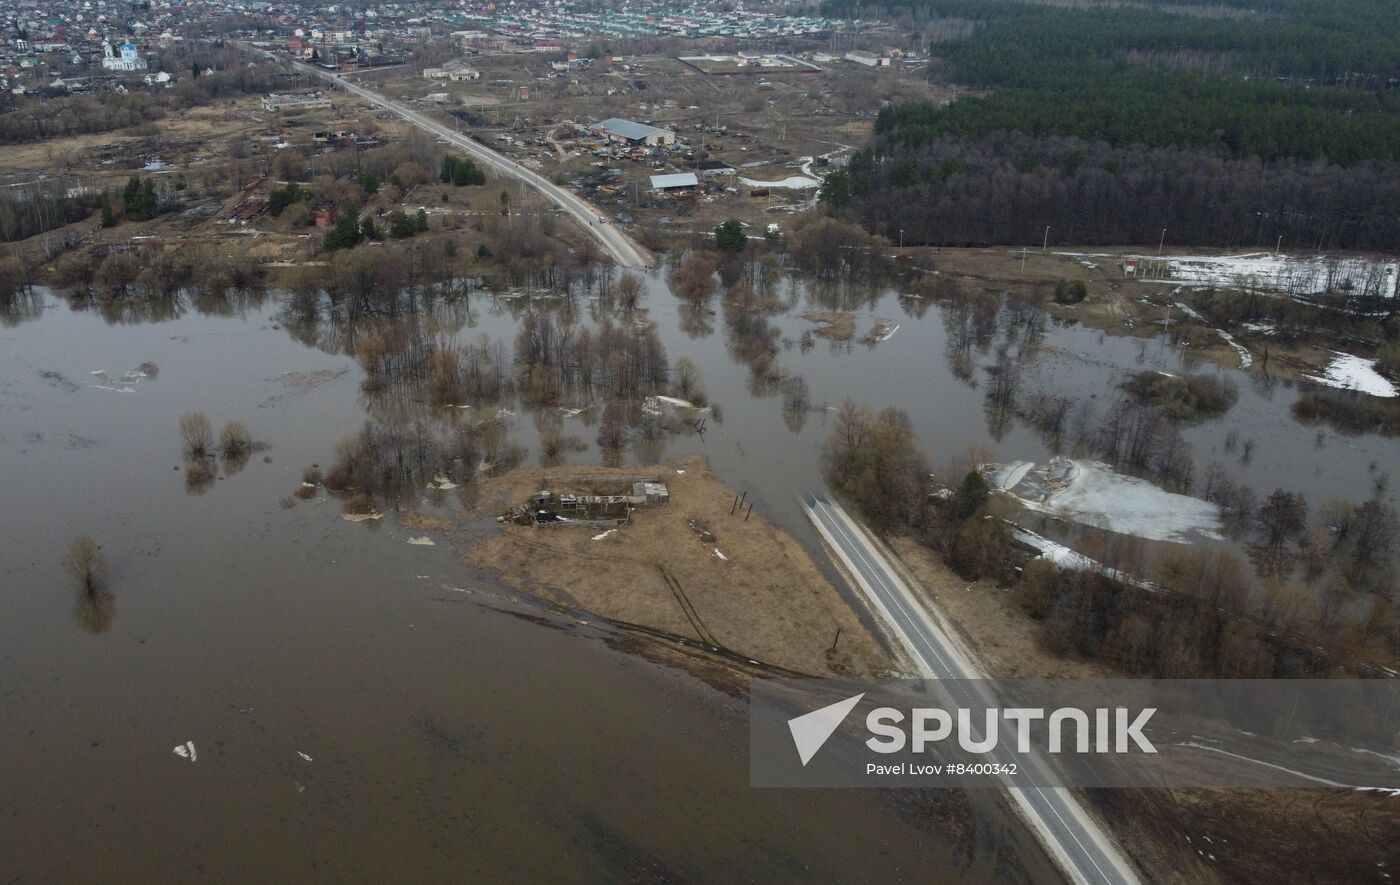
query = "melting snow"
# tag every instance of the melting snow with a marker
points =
(424, 541)
(1299, 275)
(1354, 373)
(793, 182)
(1092, 493)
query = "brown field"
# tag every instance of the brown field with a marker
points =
(765, 600)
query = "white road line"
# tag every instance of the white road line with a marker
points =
(889, 594)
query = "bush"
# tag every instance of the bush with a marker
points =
(197, 434)
(1184, 397)
(234, 440)
(1067, 292)
(86, 564)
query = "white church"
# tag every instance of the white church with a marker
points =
(129, 60)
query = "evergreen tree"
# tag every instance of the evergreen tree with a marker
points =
(730, 236)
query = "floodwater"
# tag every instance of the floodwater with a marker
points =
(451, 731)
(359, 708)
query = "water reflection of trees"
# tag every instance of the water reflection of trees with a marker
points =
(20, 305)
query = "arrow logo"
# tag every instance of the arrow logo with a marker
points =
(811, 730)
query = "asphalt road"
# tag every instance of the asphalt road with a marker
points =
(620, 246)
(1076, 841)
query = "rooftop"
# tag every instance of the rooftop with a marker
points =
(627, 128)
(679, 179)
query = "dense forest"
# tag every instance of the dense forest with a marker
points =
(1232, 124)
(1008, 187)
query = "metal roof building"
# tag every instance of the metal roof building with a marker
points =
(617, 129)
(674, 182)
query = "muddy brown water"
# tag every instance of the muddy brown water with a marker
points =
(447, 737)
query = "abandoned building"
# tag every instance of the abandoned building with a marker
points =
(591, 507)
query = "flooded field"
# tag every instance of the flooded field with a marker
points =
(357, 707)
(361, 706)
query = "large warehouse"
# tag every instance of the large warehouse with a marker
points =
(616, 129)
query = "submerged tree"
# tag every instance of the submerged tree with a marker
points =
(86, 564)
(197, 435)
(235, 441)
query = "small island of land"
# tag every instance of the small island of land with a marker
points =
(688, 567)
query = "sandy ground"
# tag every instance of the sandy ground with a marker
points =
(765, 599)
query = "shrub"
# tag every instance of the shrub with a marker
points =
(197, 434)
(1184, 397)
(234, 440)
(86, 564)
(1067, 292)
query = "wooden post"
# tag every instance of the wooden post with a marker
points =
(750, 513)
(836, 640)
(734, 506)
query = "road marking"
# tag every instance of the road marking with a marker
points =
(881, 581)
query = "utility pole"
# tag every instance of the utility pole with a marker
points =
(1046, 245)
(1279, 247)
(1162, 242)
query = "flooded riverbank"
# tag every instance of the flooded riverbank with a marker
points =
(355, 709)
(265, 629)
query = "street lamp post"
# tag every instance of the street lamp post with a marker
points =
(1162, 242)
(901, 239)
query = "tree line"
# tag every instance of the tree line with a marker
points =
(1008, 187)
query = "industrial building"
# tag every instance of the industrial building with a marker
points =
(278, 102)
(456, 71)
(677, 182)
(628, 132)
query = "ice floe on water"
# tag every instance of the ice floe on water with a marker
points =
(1091, 493)
(1355, 373)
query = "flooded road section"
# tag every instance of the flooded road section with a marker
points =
(349, 705)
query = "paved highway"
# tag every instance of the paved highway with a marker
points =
(1074, 838)
(620, 246)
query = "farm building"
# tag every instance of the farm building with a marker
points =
(680, 181)
(628, 132)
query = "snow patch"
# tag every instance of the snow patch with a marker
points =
(1350, 372)
(1091, 493)
(792, 182)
